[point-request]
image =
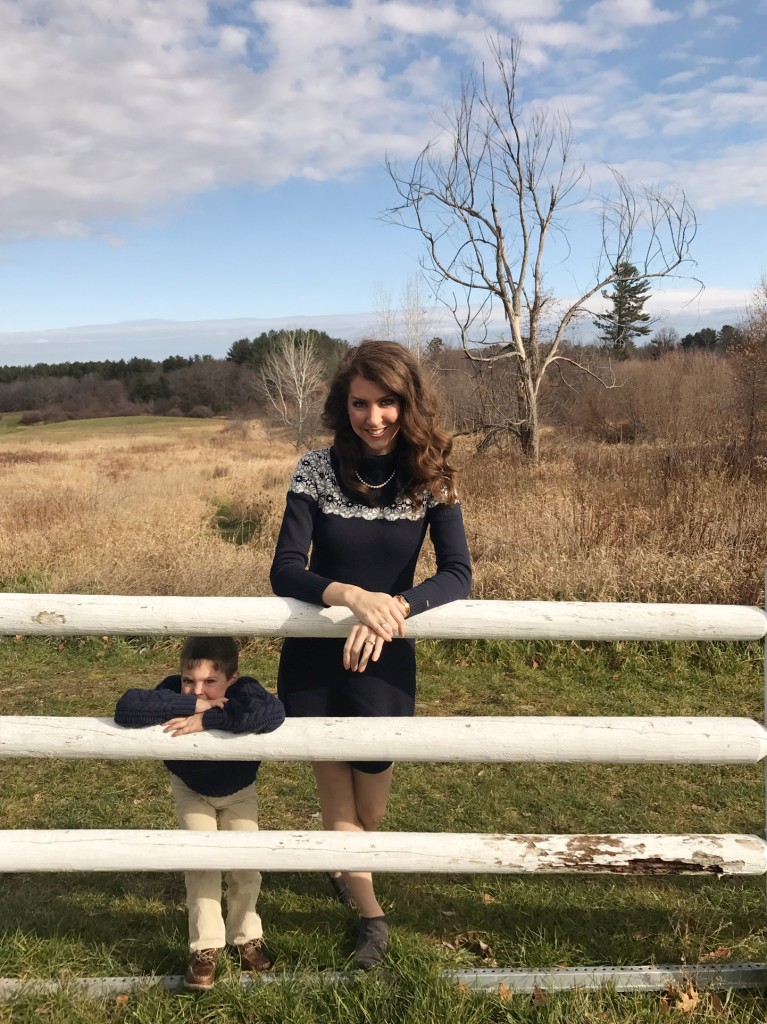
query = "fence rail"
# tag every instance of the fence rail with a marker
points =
(87, 614)
(406, 852)
(545, 740)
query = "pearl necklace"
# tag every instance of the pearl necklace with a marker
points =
(376, 487)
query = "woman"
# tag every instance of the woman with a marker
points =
(364, 506)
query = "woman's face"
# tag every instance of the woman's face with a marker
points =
(374, 415)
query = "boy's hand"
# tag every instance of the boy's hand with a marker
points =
(205, 705)
(184, 726)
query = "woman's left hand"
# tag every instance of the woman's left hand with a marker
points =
(362, 646)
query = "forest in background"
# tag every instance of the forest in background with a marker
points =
(707, 389)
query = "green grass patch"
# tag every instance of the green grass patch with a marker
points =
(127, 427)
(9, 423)
(115, 924)
(241, 521)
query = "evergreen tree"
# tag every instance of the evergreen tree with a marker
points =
(705, 338)
(627, 319)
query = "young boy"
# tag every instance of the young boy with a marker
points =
(210, 694)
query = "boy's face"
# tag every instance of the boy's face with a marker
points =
(205, 680)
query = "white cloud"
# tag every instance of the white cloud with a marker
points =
(108, 109)
(700, 9)
(521, 11)
(111, 108)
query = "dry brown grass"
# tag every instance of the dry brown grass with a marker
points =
(138, 516)
(135, 513)
(623, 522)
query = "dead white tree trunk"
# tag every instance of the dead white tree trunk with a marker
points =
(291, 379)
(487, 195)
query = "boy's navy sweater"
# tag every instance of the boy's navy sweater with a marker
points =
(249, 708)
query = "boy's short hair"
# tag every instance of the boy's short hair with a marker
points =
(222, 651)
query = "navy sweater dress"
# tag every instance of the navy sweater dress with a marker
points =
(375, 548)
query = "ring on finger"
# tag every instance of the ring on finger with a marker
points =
(369, 640)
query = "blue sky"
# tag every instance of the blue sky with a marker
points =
(177, 174)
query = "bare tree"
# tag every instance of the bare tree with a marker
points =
(748, 358)
(487, 195)
(292, 381)
(416, 322)
(664, 340)
(411, 322)
(386, 317)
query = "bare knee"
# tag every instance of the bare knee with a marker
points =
(370, 818)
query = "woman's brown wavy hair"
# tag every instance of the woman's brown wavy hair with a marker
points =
(423, 446)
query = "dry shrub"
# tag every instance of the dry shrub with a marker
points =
(627, 522)
(678, 400)
(15, 458)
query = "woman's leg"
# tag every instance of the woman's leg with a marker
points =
(354, 801)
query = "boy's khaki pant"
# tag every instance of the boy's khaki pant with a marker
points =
(238, 813)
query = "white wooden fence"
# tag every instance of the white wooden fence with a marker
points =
(614, 740)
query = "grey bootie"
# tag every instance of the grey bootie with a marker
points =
(372, 939)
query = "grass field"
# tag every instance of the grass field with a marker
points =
(104, 925)
(128, 507)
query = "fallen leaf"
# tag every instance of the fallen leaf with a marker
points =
(462, 986)
(687, 999)
(504, 993)
(720, 953)
(538, 997)
(715, 1003)
(121, 1000)
(472, 943)
(487, 898)
(536, 663)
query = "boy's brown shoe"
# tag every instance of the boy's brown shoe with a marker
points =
(254, 956)
(201, 972)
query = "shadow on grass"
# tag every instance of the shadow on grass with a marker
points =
(136, 924)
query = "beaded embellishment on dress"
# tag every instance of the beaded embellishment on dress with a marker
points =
(314, 477)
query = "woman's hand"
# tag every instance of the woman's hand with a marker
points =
(362, 646)
(381, 613)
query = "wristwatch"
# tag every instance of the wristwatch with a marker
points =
(404, 602)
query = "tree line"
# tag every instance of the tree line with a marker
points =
(197, 385)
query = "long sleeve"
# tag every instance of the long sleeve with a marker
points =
(249, 708)
(289, 576)
(452, 580)
(138, 708)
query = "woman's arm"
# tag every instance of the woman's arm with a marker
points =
(452, 580)
(290, 578)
